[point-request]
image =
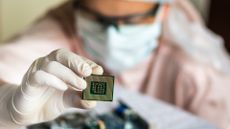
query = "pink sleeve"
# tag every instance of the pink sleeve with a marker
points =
(39, 40)
(205, 92)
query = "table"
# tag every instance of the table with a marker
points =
(159, 114)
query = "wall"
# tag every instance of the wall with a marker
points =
(17, 14)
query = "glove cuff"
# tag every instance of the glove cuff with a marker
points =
(19, 107)
(6, 92)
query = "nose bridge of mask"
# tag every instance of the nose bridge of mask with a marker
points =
(117, 40)
(113, 37)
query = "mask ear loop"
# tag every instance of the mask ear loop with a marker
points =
(159, 18)
(159, 15)
(165, 12)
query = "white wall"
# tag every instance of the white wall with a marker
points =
(17, 14)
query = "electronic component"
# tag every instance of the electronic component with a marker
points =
(99, 87)
(121, 117)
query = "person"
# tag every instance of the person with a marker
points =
(158, 47)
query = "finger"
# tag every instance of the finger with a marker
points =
(88, 104)
(72, 61)
(42, 78)
(73, 99)
(96, 69)
(65, 74)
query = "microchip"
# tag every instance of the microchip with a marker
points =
(99, 87)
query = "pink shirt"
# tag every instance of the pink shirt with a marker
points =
(171, 73)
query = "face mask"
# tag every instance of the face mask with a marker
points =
(120, 49)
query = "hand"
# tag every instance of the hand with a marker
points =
(51, 85)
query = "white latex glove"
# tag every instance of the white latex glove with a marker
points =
(51, 85)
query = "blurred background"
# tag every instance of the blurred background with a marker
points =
(15, 15)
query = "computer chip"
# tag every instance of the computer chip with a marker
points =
(99, 87)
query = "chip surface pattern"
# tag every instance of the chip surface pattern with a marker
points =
(99, 87)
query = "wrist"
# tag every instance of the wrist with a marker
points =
(6, 93)
(21, 108)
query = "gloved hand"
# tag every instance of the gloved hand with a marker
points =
(51, 85)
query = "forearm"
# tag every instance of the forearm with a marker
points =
(6, 92)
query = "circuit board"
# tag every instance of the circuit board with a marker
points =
(121, 117)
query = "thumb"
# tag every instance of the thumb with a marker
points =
(88, 104)
(72, 99)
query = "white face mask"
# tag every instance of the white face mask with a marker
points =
(120, 49)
